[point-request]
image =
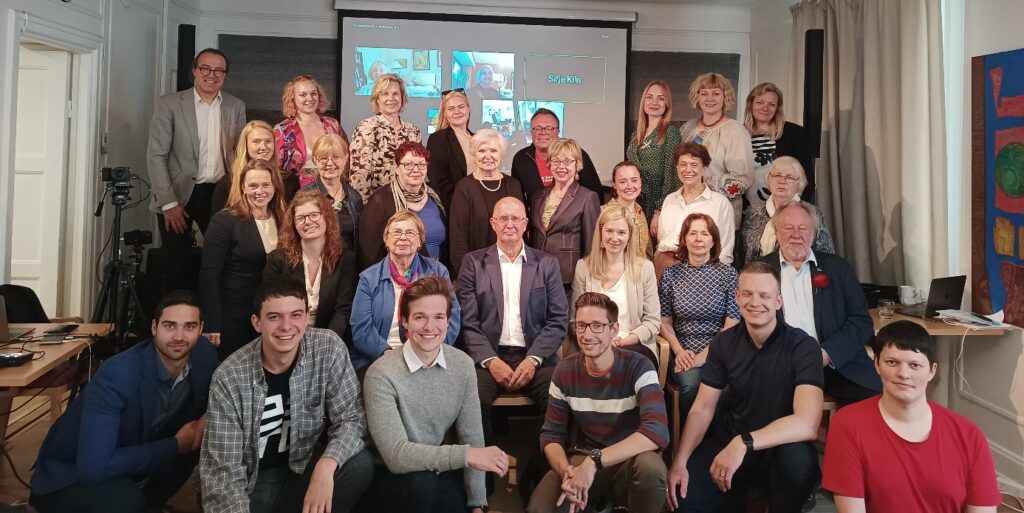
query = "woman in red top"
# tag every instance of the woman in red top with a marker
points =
(303, 104)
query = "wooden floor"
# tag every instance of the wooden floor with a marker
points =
(31, 420)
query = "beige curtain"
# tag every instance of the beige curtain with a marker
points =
(881, 176)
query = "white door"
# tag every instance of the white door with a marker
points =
(39, 172)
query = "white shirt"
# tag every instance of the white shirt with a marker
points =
(618, 294)
(511, 280)
(211, 166)
(312, 288)
(674, 211)
(268, 233)
(414, 363)
(798, 294)
(394, 339)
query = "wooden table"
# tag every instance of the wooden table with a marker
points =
(935, 328)
(13, 380)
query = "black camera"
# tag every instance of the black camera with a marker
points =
(116, 174)
(138, 237)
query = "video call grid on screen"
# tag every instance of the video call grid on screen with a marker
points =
(509, 67)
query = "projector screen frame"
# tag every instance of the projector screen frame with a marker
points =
(511, 20)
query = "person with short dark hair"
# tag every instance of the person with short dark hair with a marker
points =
(414, 397)
(286, 421)
(530, 164)
(766, 422)
(901, 452)
(612, 399)
(131, 440)
(191, 145)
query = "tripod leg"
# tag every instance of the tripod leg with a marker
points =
(99, 311)
(133, 298)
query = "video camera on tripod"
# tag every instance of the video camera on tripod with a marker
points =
(118, 180)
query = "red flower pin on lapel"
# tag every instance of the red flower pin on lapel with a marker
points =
(819, 281)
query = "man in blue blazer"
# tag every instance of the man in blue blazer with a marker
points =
(131, 440)
(514, 342)
(822, 296)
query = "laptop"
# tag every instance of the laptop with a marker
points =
(943, 294)
(8, 334)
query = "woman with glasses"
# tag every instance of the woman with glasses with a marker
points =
(255, 142)
(309, 250)
(614, 269)
(303, 104)
(377, 138)
(451, 154)
(408, 190)
(330, 154)
(235, 251)
(730, 171)
(651, 147)
(786, 180)
(475, 197)
(564, 216)
(694, 196)
(698, 300)
(375, 316)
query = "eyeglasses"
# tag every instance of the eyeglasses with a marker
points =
(313, 217)
(562, 162)
(450, 91)
(544, 129)
(503, 220)
(409, 166)
(406, 234)
(595, 327)
(217, 72)
(335, 158)
(784, 178)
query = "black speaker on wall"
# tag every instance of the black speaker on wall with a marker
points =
(186, 52)
(814, 77)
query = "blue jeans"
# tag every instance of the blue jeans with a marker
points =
(689, 383)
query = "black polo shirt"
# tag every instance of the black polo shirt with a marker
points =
(758, 384)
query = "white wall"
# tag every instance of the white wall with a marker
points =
(994, 367)
(771, 32)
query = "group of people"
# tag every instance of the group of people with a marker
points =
(363, 304)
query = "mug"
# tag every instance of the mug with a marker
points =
(909, 295)
(886, 308)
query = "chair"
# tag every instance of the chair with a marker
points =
(23, 305)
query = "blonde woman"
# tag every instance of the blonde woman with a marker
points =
(376, 138)
(331, 156)
(451, 153)
(771, 136)
(255, 142)
(651, 145)
(614, 269)
(303, 103)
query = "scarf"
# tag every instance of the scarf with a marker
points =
(403, 281)
(769, 239)
(403, 198)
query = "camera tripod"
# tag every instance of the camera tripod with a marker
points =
(118, 302)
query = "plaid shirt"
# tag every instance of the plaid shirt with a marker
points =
(324, 397)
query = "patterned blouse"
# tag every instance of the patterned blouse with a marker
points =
(657, 169)
(698, 299)
(374, 142)
(292, 148)
(642, 233)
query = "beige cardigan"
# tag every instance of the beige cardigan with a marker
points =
(644, 305)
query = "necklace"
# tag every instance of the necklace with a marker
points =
(496, 187)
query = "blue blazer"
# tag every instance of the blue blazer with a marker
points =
(542, 304)
(841, 318)
(108, 432)
(373, 310)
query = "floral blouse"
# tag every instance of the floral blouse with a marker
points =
(292, 148)
(374, 142)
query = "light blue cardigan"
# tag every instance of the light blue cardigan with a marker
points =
(374, 306)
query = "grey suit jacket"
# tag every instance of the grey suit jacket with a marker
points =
(172, 156)
(542, 306)
(643, 305)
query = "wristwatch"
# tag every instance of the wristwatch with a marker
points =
(748, 441)
(595, 454)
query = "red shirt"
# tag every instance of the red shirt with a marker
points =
(542, 168)
(950, 470)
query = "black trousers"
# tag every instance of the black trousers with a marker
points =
(279, 490)
(415, 492)
(175, 247)
(489, 389)
(120, 495)
(787, 473)
(844, 391)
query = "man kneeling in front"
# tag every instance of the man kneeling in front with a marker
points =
(612, 399)
(286, 421)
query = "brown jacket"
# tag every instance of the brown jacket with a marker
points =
(571, 229)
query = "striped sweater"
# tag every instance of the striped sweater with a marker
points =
(605, 410)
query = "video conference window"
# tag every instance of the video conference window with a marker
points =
(433, 118)
(419, 69)
(484, 75)
(528, 107)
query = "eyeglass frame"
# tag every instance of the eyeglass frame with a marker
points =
(576, 327)
(301, 219)
(409, 166)
(206, 71)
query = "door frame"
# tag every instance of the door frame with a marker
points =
(83, 185)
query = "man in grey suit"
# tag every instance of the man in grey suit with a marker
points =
(191, 145)
(513, 342)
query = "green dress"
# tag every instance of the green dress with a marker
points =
(657, 170)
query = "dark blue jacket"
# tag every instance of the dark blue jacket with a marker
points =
(841, 318)
(108, 432)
